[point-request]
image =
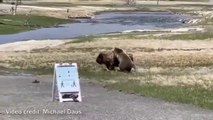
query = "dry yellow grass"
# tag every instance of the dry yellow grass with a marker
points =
(161, 62)
(144, 43)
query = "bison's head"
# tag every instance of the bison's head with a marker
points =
(99, 59)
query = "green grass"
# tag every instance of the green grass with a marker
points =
(191, 95)
(190, 36)
(129, 83)
(207, 21)
(131, 35)
(83, 39)
(13, 24)
(92, 38)
(125, 82)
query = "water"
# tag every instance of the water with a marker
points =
(103, 23)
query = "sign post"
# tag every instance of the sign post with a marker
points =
(66, 81)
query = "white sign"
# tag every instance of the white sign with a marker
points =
(67, 81)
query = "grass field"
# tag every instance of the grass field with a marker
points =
(191, 36)
(12, 24)
(173, 70)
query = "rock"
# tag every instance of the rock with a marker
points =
(36, 81)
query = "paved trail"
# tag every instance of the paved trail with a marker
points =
(20, 94)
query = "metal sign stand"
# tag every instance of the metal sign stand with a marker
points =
(72, 92)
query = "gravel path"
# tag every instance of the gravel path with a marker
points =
(30, 101)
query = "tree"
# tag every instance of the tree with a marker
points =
(14, 9)
(16, 5)
(158, 2)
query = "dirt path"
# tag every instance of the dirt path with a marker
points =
(19, 94)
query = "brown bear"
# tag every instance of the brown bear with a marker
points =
(125, 61)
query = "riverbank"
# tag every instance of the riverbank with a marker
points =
(61, 11)
(10, 24)
(89, 9)
(202, 17)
